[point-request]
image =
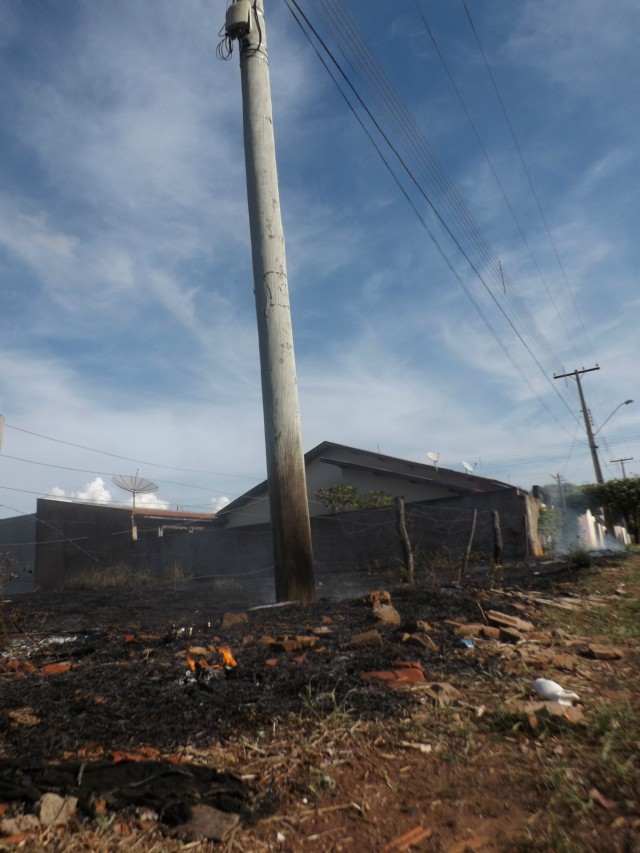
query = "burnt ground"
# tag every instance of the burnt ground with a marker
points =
(121, 698)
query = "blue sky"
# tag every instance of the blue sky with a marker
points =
(127, 320)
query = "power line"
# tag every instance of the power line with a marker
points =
(432, 236)
(494, 173)
(128, 458)
(357, 55)
(526, 172)
(414, 136)
(108, 473)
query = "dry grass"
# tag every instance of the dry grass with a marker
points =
(108, 577)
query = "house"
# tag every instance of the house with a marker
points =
(446, 512)
(330, 463)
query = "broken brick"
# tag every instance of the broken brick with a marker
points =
(368, 638)
(387, 614)
(600, 652)
(471, 629)
(510, 635)
(507, 621)
(295, 644)
(230, 620)
(55, 668)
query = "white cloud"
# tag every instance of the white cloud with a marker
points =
(94, 492)
(149, 501)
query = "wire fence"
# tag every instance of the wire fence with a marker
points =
(353, 551)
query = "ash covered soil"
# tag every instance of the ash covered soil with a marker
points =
(399, 722)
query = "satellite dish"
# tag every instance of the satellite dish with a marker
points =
(434, 457)
(134, 484)
(469, 468)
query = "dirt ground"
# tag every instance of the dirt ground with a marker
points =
(380, 723)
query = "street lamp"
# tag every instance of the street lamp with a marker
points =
(593, 447)
(619, 406)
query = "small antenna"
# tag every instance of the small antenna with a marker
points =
(134, 484)
(469, 468)
(434, 457)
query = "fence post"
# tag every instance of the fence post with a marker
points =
(498, 548)
(406, 544)
(463, 569)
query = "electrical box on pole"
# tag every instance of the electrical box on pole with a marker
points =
(238, 20)
(288, 501)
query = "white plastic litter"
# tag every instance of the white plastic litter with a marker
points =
(554, 692)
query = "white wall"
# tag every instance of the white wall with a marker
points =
(322, 474)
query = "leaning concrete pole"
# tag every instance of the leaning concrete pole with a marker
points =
(593, 447)
(288, 501)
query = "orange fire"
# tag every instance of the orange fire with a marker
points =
(227, 660)
(227, 657)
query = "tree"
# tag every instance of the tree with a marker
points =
(343, 497)
(620, 497)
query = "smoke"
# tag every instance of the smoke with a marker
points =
(585, 531)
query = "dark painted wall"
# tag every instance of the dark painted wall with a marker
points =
(74, 539)
(17, 554)
(354, 552)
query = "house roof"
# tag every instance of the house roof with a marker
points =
(415, 472)
(174, 515)
(142, 511)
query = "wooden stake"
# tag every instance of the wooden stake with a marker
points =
(497, 538)
(463, 569)
(406, 543)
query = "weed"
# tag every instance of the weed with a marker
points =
(9, 572)
(178, 573)
(616, 769)
(323, 707)
(606, 758)
(618, 621)
(551, 839)
(496, 574)
(111, 577)
(579, 558)
(226, 584)
(506, 719)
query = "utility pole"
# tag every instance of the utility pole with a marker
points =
(293, 554)
(593, 447)
(622, 461)
(558, 479)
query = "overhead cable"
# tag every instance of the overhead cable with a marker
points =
(408, 122)
(128, 458)
(496, 177)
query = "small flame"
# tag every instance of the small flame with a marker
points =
(225, 653)
(227, 656)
